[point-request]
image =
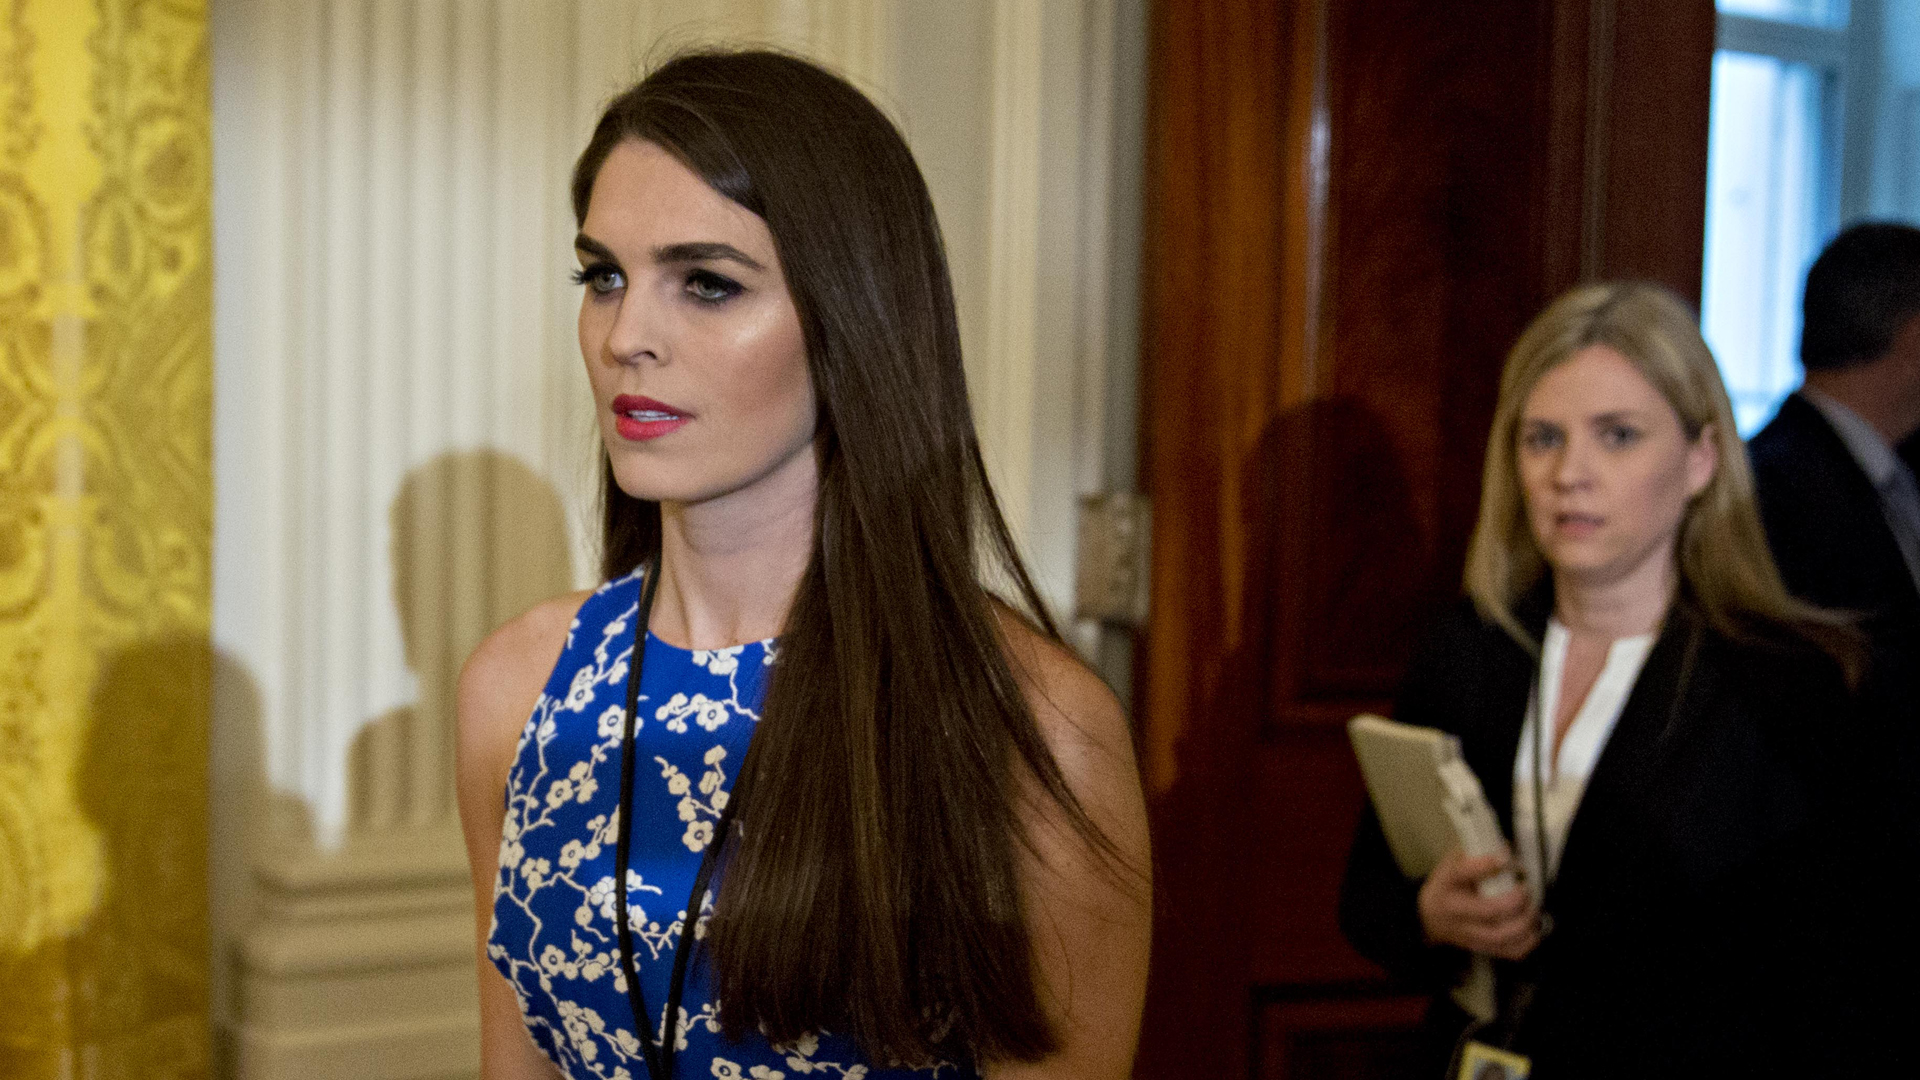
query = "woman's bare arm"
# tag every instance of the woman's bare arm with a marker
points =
(1089, 912)
(498, 689)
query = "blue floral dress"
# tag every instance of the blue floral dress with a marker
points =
(554, 934)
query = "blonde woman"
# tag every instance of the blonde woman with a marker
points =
(1665, 734)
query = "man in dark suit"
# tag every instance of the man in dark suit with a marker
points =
(1834, 473)
(1836, 486)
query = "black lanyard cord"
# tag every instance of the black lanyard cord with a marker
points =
(682, 949)
(1540, 722)
(623, 845)
(1514, 1003)
(1513, 996)
(659, 1053)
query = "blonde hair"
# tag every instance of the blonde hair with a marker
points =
(1724, 565)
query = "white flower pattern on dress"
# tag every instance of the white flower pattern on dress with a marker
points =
(554, 932)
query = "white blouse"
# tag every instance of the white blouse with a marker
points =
(1566, 780)
(1567, 772)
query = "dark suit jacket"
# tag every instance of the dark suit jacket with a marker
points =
(1831, 541)
(1910, 452)
(1826, 527)
(1706, 909)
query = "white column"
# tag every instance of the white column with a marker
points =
(389, 295)
(1005, 376)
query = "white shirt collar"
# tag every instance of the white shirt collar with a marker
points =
(1863, 440)
(1586, 737)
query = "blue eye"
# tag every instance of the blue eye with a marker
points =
(1619, 436)
(710, 288)
(1540, 438)
(602, 278)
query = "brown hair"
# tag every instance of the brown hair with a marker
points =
(1725, 568)
(874, 887)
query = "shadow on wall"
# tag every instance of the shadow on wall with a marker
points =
(1248, 841)
(477, 538)
(1339, 580)
(128, 994)
(236, 833)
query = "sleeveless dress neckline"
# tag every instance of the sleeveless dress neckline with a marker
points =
(656, 642)
(554, 932)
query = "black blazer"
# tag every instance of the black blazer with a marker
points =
(1824, 521)
(1834, 548)
(1707, 908)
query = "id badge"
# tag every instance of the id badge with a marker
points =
(1482, 1062)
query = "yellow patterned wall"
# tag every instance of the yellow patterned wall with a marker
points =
(105, 535)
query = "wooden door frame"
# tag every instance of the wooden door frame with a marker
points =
(1240, 295)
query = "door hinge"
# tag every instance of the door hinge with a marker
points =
(1115, 558)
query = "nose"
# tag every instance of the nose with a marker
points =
(635, 335)
(1572, 467)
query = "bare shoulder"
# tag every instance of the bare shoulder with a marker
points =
(498, 689)
(1080, 718)
(1088, 898)
(514, 660)
(502, 680)
(1092, 744)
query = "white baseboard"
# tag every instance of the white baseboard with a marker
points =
(429, 1048)
(361, 965)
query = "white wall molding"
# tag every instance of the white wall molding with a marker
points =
(398, 434)
(1005, 377)
(408, 1049)
(361, 964)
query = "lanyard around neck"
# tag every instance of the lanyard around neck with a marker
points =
(658, 1052)
(1540, 722)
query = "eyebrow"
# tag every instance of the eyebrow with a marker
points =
(690, 251)
(1615, 416)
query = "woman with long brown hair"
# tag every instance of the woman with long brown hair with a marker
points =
(1670, 740)
(793, 792)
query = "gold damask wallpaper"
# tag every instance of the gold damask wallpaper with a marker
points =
(105, 537)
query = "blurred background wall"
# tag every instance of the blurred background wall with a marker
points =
(405, 449)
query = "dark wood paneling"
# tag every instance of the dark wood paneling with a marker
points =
(1340, 1034)
(1303, 799)
(1224, 224)
(1354, 207)
(1627, 112)
(1430, 272)
(1659, 74)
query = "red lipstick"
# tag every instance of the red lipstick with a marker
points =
(640, 418)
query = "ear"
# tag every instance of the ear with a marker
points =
(1703, 460)
(1906, 348)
